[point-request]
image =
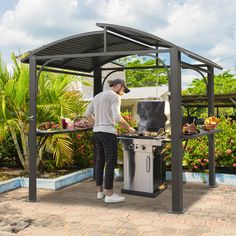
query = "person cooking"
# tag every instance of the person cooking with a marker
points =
(105, 107)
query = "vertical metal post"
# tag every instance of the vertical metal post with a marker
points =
(97, 88)
(97, 81)
(176, 130)
(157, 61)
(32, 129)
(105, 39)
(211, 138)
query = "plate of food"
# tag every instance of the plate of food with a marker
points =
(84, 122)
(189, 129)
(208, 127)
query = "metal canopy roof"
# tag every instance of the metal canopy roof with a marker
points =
(90, 42)
(153, 40)
(111, 39)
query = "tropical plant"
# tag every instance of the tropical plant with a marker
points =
(57, 99)
(8, 154)
(120, 130)
(54, 99)
(196, 152)
(129, 119)
(83, 149)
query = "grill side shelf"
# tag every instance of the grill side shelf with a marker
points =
(202, 133)
(61, 131)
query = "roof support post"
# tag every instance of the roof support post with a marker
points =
(176, 131)
(105, 39)
(97, 88)
(32, 129)
(211, 137)
(97, 81)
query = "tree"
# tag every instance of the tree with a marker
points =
(53, 100)
(224, 83)
(144, 77)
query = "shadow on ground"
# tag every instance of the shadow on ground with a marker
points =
(84, 194)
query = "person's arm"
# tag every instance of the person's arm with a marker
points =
(126, 126)
(89, 113)
(115, 107)
(90, 110)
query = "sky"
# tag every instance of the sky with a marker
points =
(206, 27)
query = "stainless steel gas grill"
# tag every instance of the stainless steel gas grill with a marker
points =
(144, 166)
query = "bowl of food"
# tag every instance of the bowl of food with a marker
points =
(210, 123)
(209, 127)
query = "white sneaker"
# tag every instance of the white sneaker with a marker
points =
(114, 198)
(101, 195)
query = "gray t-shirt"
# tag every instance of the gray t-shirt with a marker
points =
(106, 109)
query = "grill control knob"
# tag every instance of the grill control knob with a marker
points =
(131, 147)
(143, 147)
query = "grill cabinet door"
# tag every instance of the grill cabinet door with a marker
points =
(138, 171)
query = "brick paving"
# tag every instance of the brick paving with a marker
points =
(76, 211)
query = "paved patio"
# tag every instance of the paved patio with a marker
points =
(75, 211)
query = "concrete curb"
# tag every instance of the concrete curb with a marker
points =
(8, 185)
(225, 179)
(53, 184)
(66, 180)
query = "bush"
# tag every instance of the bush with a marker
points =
(120, 130)
(129, 119)
(8, 154)
(83, 149)
(196, 153)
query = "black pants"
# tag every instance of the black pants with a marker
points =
(106, 152)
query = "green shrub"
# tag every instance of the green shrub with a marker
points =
(226, 144)
(8, 154)
(83, 149)
(196, 153)
(120, 130)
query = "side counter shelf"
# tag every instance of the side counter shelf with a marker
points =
(44, 134)
(61, 131)
(202, 133)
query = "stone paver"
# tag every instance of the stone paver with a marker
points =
(76, 211)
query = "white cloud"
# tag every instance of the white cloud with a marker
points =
(10, 37)
(188, 76)
(207, 27)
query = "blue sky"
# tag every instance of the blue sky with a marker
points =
(6, 5)
(207, 27)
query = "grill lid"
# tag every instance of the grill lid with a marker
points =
(151, 115)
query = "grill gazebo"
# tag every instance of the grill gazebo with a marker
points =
(87, 52)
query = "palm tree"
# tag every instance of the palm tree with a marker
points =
(53, 101)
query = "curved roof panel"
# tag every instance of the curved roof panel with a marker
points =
(90, 42)
(118, 39)
(153, 40)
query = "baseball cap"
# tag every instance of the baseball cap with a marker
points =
(118, 81)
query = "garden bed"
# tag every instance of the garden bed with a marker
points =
(9, 173)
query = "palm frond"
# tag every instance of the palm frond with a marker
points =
(61, 147)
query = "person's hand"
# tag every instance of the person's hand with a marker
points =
(132, 130)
